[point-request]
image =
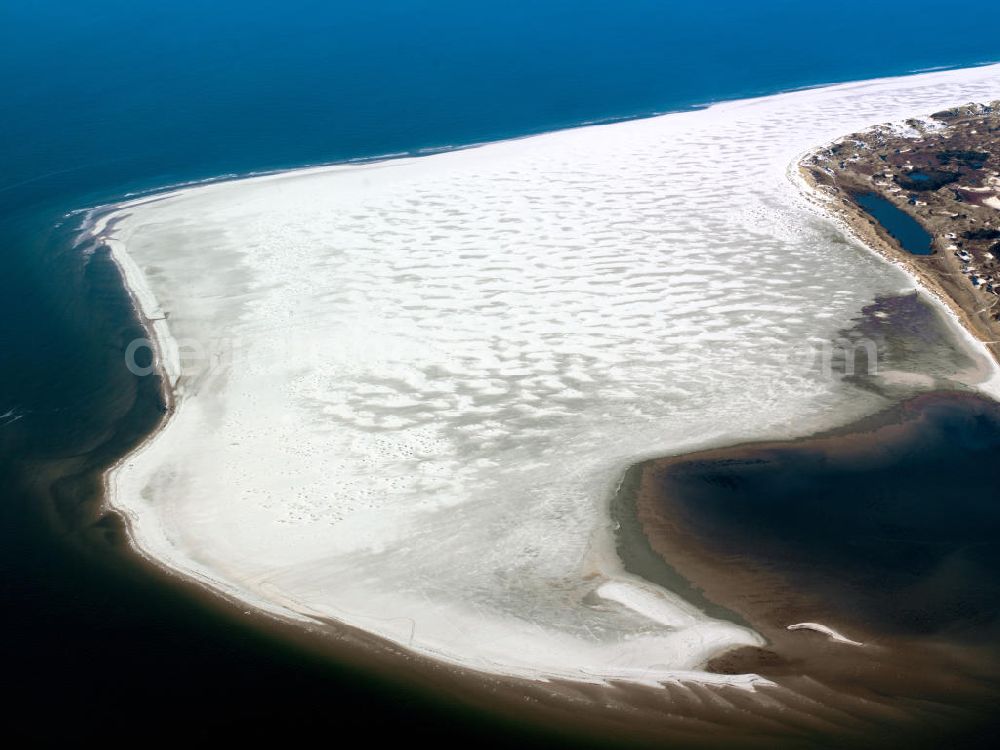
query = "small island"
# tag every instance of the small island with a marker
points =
(926, 193)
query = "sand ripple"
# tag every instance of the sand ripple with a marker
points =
(418, 381)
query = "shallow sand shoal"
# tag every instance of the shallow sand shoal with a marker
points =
(404, 391)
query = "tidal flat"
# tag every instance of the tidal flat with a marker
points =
(867, 556)
(402, 393)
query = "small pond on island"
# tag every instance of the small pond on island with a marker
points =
(903, 227)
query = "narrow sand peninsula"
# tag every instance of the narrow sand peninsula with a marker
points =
(404, 392)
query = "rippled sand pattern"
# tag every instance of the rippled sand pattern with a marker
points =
(421, 379)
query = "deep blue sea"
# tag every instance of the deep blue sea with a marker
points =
(111, 95)
(107, 97)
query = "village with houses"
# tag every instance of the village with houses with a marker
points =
(926, 193)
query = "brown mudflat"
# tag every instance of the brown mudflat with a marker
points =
(884, 532)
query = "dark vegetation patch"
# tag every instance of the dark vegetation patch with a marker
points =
(946, 114)
(929, 180)
(971, 159)
(982, 234)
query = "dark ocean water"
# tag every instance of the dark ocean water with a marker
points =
(108, 97)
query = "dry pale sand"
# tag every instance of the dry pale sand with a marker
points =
(404, 392)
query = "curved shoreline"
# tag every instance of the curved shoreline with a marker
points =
(167, 370)
(147, 307)
(644, 713)
(858, 224)
(100, 227)
(864, 647)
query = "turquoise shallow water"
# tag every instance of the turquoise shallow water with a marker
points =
(105, 98)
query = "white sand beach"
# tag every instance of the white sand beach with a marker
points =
(404, 392)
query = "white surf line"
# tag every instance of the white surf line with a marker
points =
(425, 377)
(825, 630)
